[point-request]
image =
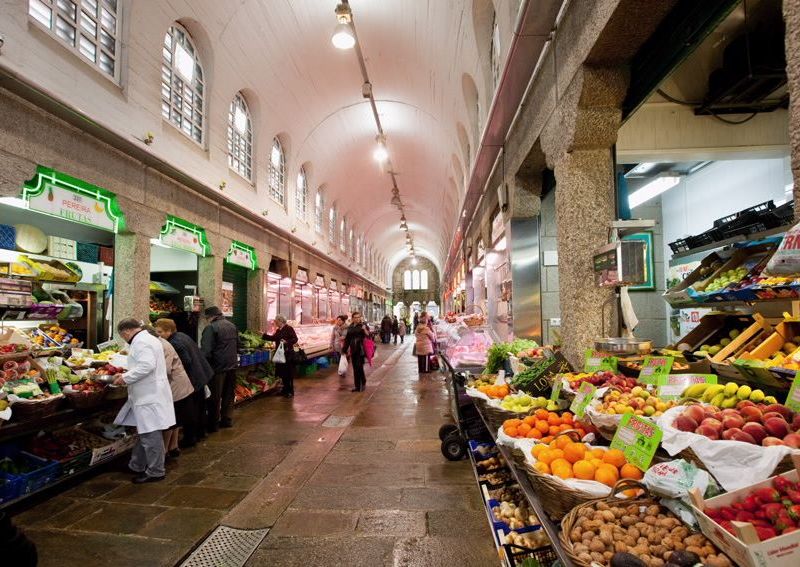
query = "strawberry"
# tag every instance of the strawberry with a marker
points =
(751, 503)
(767, 494)
(727, 513)
(712, 513)
(783, 484)
(762, 523)
(745, 516)
(783, 522)
(727, 525)
(772, 510)
(765, 533)
(789, 530)
(794, 512)
(794, 496)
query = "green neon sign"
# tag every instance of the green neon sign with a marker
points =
(183, 235)
(241, 254)
(57, 194)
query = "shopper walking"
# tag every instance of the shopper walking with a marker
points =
(337, 336)
(355, 351)
(149, 404)
(416, 319)
(425, 339)
(284, 334)
(182, 391)
(200, 373)
(219, 344)
(386, 329)
(402, 328)
(395, 328)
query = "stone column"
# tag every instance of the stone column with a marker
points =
(14, 172)
(131, 277)
(257, 299)
(209, 270)
(578, 142)
(791, 16)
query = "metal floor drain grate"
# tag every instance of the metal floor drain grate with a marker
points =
(226, 547)
(338, 421)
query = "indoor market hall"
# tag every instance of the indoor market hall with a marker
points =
(402, 283)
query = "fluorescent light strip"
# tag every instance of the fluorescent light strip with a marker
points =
(652, 189)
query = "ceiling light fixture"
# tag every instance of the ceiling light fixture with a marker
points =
(652, 189)
(396, 201)
(343, 36)
(413, 260)
(381, 154)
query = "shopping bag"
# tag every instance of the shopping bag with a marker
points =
(280, 355)
(342, 366)
(369, 349)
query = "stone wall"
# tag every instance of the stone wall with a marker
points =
(433, 293)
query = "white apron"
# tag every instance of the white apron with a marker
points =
(149, 406)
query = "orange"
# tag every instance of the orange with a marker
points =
(538, 449)
(581, 432)
(565, 426)
(511, 423)
(530, 420)
(633, 492)
(547, 439)
(630, 471)
(554, 430)
(607, 474)
(534, 434)
(614, 457)
(560, 462)
(574, 452)
(553, 444)
(584, 470)
(542, 467)
(596, 462)
(564, 472)
(511, 431)
(523, 429)
(563, 441)
(542, 426)
(566, 417)
(541, 414)
(553, 419)
(551, 455)
(597, 453)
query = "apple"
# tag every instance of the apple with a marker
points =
(729, 434)
(715, 423)
(684, 423)
(745, 404)
(792, 440)
(776, 427)
(745, 437)
(772, 415)
(772, 442)
(751, 413)
(708, 431)
(695, 413)
(733, 422)
(781, 409)
(756, 431)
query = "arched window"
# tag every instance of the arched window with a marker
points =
(182, 87)
(301, 195)
(88, 27)
(407, 280)
(343, 235)
(351, 249)
(240, 138)
(277, 172)
(494, 51)
(319, 210)
(415, 279)
(332, 225)
(358, 250)
(423, 279)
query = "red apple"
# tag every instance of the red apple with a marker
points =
(771, 415)
(732, 422)
(751, 413)
(756, 430)
(745, 437)
(715, 423)
(781, 409)
(776, 427)
(684, 423)
(771, 442)
(695, 412)
(708, 431)
(744, 404)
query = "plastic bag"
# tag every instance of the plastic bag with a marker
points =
(280, 355)
(674, 479)
(786, 259)
(342, 366)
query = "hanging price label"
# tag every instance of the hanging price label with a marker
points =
(672, 386)
(582, 399)
(793, 399)
(638, 438)
(653, 368)
(596, 362)
(558, 383)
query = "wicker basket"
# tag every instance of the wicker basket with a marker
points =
(31, 410)
(496, 416)
(85, 400)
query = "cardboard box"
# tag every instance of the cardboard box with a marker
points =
(62, 248)
(713, 327)
(678, 296)
(781, 551)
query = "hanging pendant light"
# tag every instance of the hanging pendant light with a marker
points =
(343, 36)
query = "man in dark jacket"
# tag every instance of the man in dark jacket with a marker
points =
(219, 344)
(200, 373)
(354, 349)
(284, 333)
(386, 329)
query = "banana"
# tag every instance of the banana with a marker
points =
(695, 391)
(744, 392)
(731, 388)
(757, 396)
(718, 399)
(729, 402)
(713, 390)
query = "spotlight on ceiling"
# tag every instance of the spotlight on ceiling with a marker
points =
(343, 36)
(396, 201)
(381, 154)
(414, 260)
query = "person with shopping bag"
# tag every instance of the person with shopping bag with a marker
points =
(284, 338)
(354, 349)
(423, 347)
(337, 336)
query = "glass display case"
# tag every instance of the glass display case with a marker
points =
(470, 350)
(279, 298)
(314, 339)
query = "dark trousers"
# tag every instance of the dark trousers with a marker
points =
(422, 363)
(220, 404)
(286, 373)
(359, 379)
(194, 427)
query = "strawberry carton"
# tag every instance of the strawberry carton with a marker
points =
(758, 525)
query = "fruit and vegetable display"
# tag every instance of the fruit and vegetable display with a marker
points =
(726, 278)
(600, 379)
(515, 514)
(567, 459)
(13, 348)
(706, 350)
(160, 306)
(523, 403)
(498, 353)
(638, 401)
(544, 426)
(250, 340)
(500, 391)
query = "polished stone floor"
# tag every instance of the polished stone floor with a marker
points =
(340, 478)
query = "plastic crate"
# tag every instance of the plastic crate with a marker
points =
(107, 255)
(323, 362)
(43, 471)
(680, 245)
(307, 369)
(704, 239)
(9, 488)
(516, 555)
(748, 212)
(89, 253)
(8, 237)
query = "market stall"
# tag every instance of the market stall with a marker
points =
(279, 292)
(240, 261)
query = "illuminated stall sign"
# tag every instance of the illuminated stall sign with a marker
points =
(183, 235)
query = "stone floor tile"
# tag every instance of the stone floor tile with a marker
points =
(400, 523)
(138, 493)
(441, 498)
(308, 551)
(253, 460)
(463, 551)
(449, 474)
(311, 523)
(202, 497)
(441, 522)
(119, 518)
(186, 525)
(347, 497)
(371, 474)
(93, 488)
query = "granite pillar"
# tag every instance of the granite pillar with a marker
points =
(791, 16)
(131, 277)
(257, 298)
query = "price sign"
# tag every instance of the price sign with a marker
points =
(582, 399)
(638, 438)
(672, 386)
(558, 383)
(793, 399)
(597, 362)
(653, 368)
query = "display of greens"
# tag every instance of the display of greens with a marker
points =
(498, 352)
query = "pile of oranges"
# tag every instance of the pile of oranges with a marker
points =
(542, 425)
(565, 459)
(493, 391)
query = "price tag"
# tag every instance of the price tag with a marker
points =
(558, 383)
(672, 386)
(653, 368)
(793, 399)
(638, 438)
(596, 362)
(583, 398)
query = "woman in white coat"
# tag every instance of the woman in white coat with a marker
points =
(149, 405)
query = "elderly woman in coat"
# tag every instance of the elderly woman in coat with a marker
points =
(149, 405)
(425, 340)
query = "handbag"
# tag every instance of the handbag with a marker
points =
(342, 366)
(299, 355)
(280, 356)
(433, 362)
